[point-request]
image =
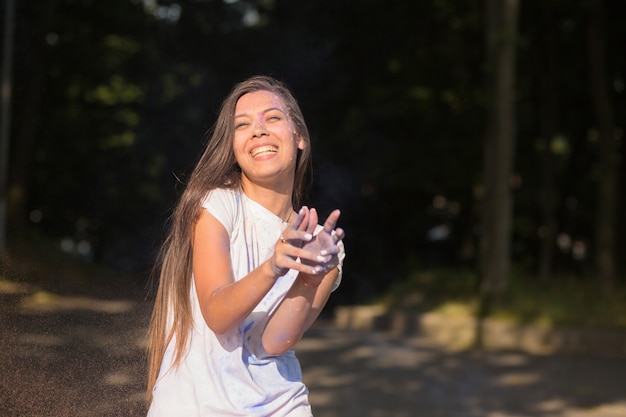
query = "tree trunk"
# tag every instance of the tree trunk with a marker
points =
(5, 117)
(608, 165)
(548, 121)
(501, 33)
(500, 143)
(29, 91)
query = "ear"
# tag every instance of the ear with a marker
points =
(299, 141)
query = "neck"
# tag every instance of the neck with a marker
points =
(276, 201)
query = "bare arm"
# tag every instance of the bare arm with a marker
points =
(310, 292)
(297, 312)
(225, 302)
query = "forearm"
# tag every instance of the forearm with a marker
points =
(227, 306)
(296, 313)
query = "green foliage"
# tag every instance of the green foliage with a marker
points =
(564, 301)
(112, 100)
(429, 290)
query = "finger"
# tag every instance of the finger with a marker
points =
(293, 237)
(301, 218)
(310, 270)
(331, 221)
(338, 234)
(310, 258)
(296, 233)
(300, 222)
(331, 250)
(313, 219)
(329, 246)
(286, 263)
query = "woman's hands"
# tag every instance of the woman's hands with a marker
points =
(300, 248)
(226, 302)
(314, 254)
(325, 247)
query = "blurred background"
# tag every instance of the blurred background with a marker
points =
(475, 147)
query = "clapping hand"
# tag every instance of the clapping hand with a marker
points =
(325, 244)
(318, 252)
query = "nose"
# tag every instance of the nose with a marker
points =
(259, 129)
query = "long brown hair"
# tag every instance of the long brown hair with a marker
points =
(217, 167)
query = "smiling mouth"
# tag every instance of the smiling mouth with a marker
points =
(263, 150)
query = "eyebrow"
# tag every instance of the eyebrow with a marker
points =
(264, 111)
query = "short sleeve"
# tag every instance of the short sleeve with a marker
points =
(222, 204)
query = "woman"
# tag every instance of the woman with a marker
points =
(243, 275)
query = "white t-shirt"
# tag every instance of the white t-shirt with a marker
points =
(231, 374)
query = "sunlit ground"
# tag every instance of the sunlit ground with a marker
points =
(80, 355)
(70, 355)
(370, 374)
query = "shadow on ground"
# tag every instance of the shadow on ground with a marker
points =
(83, 355)
(351, 373)
(71, 355)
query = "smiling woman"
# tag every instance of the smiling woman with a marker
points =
(243, 274)
(266, 143)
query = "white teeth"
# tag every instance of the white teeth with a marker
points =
(263, 149)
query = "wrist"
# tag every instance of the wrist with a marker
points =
(271, 271)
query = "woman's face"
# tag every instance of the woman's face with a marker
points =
(265, 143)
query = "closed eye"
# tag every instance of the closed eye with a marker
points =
(274, 115)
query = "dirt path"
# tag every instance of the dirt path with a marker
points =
(71, 356)
(83, 356)
(369, 374)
